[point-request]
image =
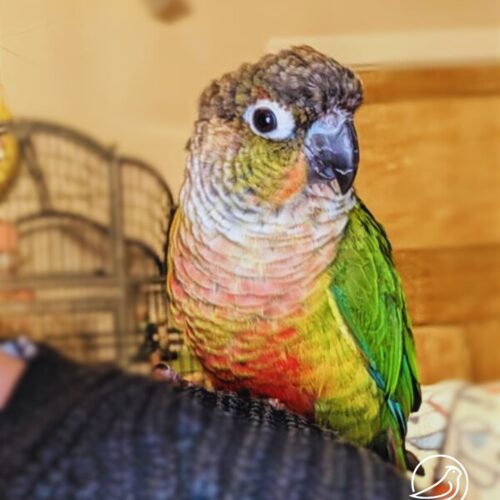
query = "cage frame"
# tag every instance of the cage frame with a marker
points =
(118, 284)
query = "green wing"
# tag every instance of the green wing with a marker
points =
(368, 292)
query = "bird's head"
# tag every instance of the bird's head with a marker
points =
(271, 130)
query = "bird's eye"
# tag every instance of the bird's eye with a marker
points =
(264, 120)
(270, 120)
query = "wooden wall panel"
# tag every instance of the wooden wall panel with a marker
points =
(483, 343)
(451, 286)
(461, 351)
(443, 353)
(430, 172)
(430, 169)
(454, 301)
(405, 84)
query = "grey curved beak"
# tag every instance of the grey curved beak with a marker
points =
(332, 151)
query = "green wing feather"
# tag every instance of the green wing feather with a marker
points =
(369, 295)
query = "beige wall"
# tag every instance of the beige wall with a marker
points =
(108, 67)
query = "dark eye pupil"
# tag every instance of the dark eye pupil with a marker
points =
(264, 120)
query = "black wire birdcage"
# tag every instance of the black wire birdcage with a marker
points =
(85, 262)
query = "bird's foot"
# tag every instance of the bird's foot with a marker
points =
(276, 404)
(162, 371)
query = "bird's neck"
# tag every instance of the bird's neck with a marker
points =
(260, 258)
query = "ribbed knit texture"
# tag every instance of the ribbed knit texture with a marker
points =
(79, 432)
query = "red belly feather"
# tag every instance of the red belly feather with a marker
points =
(273, 374)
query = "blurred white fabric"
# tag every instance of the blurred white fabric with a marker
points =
(462, 421)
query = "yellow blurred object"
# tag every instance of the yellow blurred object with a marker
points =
(9, 151)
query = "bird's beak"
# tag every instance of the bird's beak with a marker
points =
(332, 151)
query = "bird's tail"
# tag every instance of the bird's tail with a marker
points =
(391, 446)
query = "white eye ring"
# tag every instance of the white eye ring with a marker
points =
(284, 124)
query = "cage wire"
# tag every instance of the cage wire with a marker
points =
(83, 235)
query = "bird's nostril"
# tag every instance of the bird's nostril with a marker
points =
(326, 171)
(319, 141)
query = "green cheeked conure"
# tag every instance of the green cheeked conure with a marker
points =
(280, 278)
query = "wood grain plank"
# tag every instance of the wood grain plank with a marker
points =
(430, 170)
(451, 286)
(443, 353)
(467, 352)
(483, 341)
(396, 84)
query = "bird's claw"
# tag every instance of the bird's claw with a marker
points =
(162, 371)
(276, 404)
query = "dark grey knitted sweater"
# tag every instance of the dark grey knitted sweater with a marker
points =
(73, 431)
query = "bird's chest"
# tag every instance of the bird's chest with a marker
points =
(243, 300)
(242, 276)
